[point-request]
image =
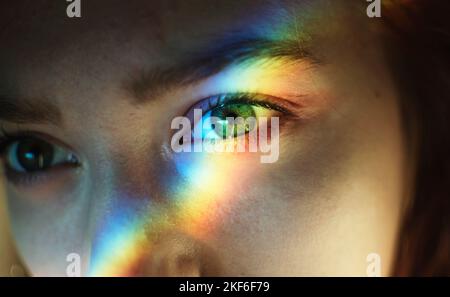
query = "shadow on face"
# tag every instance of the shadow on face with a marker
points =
(90, 168)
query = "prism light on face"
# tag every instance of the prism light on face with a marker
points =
(116, 89)
(208, 185)
(230, 134)
(208, 188)
(202, 197)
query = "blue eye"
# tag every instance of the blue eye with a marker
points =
(31, 155)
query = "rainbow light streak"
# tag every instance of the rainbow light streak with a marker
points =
(196, 211)
(117, 243)
(207, 189)
(213, 184)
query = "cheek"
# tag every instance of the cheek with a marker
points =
(277, 215)
(47, 230)
(212, 186)
(253, 215)
(45, 188)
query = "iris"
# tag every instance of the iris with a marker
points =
(224, 127)
(31, 155)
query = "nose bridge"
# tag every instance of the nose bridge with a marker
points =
(133, 236)
(117, 227)
(129, 213)
(121, 188)
(127, 202)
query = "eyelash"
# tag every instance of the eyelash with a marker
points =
(254, 99)
(207, 104)
(284, 107)
(6, 139)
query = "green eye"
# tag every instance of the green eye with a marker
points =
(237, 110)
(30, 155)
(229, 116)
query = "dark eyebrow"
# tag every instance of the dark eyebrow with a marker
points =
(149, 82)
(208, 62)
(20, 111)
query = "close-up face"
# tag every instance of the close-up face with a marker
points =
(88, 115)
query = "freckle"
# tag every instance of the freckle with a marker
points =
(377, 94)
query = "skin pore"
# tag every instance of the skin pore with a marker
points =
(104, 89)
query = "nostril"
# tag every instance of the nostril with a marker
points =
(177, 254)
(174, 254)
(187, 266)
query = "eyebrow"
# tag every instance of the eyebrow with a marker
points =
(203, 64)
(149, 83)
(21, 111)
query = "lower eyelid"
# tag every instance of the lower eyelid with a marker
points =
(33, 178)
(21, 179)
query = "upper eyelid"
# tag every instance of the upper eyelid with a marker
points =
(262, 100)
(260, 103)
(7, 138)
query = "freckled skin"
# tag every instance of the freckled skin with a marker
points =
(334, 196)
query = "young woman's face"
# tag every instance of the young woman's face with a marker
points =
(86, 106)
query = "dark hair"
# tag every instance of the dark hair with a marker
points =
(421, 63)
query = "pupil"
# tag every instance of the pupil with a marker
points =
(232, 111)
(34, 155)
(230, 115)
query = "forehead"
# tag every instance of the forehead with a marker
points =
(42, 43)
(165, 27)
(86, 60)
